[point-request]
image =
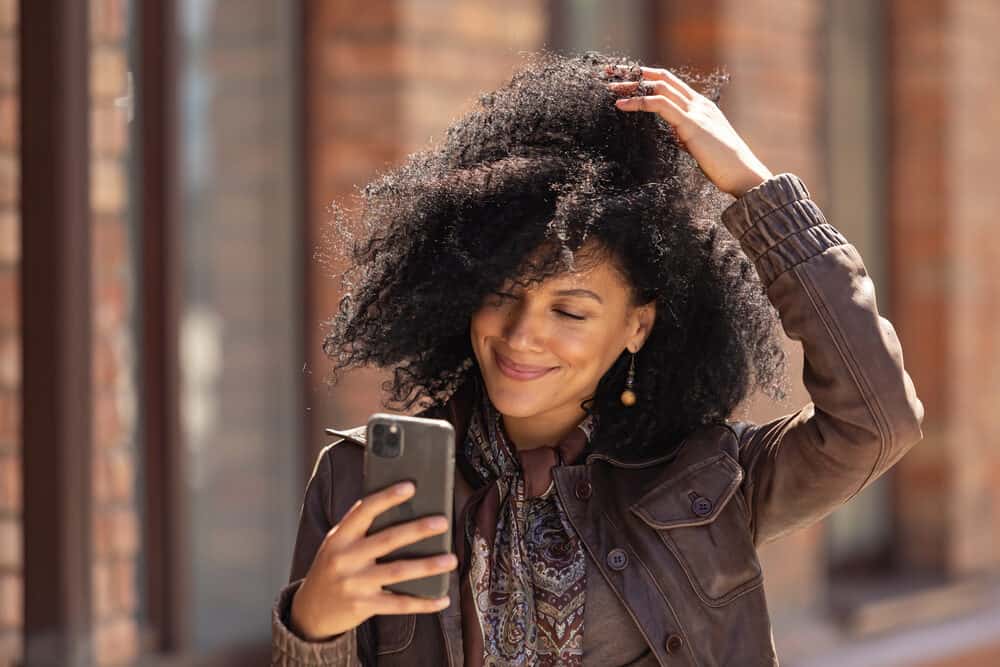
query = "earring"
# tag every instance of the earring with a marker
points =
(628, 396)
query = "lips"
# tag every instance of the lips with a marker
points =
(520, 371)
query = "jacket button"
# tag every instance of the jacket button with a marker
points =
(617, 559)
(583, 489)
(701, 506)
(674, 643)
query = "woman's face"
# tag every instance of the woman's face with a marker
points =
(543, 350)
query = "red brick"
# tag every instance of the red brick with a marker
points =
(104, 365)
(8, 122)
(107, 422)
(121, 476)
(108, 74)
(99, 478)
(103, 589)
(111, 307)
(107, 186)
(11, 600)
(124, 585)
(124, 531)
(371, 61)
(10, 239)
(10, 418)
(102, 535)
(10, 483)
(10, 361)
(10, 299)
(107, 20)
(10, 176)
(108, 130)
(8, 62)
(110, 248)
(116, 641)
(335, 19)
(8, 19)
(11, 547)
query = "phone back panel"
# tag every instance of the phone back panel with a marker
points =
(427, 458)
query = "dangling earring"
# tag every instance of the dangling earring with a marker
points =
(628, 396)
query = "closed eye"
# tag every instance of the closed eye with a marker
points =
(502, 296)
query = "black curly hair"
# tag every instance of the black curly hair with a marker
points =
(544, 165)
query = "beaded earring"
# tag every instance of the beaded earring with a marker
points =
(628, 397)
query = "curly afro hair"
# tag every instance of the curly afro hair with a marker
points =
(544, 165)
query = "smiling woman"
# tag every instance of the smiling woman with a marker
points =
(555, 282)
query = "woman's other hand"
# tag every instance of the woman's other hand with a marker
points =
(343, 587)
(704, 131)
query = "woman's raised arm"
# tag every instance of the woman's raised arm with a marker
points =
(864, 414)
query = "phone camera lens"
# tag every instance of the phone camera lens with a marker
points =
(387, 440)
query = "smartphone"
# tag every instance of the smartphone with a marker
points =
(403, 448)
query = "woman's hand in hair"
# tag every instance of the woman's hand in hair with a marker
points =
(702, 128)
(343, 587)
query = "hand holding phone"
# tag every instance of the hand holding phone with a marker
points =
(420, 450)
(343, 587)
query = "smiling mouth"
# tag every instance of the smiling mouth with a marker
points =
(519, 372)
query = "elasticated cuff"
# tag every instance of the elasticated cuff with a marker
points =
(290, 650)
(779, 226)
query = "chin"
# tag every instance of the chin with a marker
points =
(517, 407)
(517, 402)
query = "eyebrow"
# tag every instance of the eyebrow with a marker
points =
(580, 292)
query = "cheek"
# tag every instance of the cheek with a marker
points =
(583, 348)
(484, 323)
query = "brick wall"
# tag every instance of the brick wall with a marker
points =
(945, 57)
(11, 613)
(116, 537)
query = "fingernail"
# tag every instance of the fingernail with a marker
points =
(404, 489)
(447, 559)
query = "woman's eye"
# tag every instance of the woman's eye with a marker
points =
(571, 315)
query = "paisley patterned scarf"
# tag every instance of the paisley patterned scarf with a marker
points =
(524, 581)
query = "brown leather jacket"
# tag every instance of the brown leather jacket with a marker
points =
(676, 540)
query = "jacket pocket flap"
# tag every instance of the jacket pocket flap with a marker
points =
(693, 497)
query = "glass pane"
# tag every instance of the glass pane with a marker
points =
(860, 532)
(240, 393)
(615, 27)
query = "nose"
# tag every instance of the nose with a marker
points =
(524, 330)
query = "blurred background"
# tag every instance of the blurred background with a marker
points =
(166, 171)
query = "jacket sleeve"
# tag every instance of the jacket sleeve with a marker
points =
(864, 413)
(287, 648)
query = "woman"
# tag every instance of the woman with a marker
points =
(554, 281)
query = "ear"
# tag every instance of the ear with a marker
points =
(640, 325)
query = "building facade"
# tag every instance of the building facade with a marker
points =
(166, 176)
